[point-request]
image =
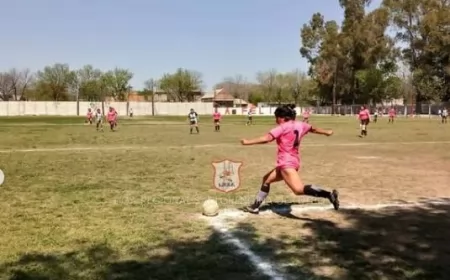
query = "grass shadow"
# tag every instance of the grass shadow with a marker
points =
(393, 243)
(192, 259)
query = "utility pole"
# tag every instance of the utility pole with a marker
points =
(152, 84)
(333, 110)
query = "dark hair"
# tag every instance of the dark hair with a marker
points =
(287, 112)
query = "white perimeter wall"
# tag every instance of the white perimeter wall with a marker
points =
(69, 108)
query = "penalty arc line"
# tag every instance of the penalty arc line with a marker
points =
(100, 148)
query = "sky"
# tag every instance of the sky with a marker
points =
(153, 37)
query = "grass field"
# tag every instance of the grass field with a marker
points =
(80, 204)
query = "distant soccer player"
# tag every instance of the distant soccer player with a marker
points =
(217, 117)
(306, 115)
(392, 115)
(131, 112)
(249, 116)
(375, 116)
(193, 120)
(444, 115)
(112, 118)
(116, 115)
(89, 116)
(364, 118)
(99, 120)
(288, 135)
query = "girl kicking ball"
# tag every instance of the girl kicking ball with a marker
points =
(288, 135)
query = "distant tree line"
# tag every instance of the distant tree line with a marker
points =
(399, 49)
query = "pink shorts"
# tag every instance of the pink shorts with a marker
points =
(288, 166)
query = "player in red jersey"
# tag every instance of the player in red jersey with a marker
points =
(112, 118)
(364, 118)
(306, 115)
(392, 115)
(89, 116)
(216, 118)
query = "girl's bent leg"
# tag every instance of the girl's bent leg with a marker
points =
(293, 180)
(271, 177)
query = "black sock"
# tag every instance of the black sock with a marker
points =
(191, 129)
(261, 196)
(316, 191)
(197, 129)
(218, 128)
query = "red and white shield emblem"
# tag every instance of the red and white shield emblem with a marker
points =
(227, 175)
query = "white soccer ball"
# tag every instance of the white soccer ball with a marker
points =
(210, 208)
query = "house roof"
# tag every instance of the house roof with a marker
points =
(222, 95)
(238, 101)
(208, 95)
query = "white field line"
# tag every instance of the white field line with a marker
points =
(231, 214)
(366, 157)
(303, 209)
(106, 148)
(264, 267)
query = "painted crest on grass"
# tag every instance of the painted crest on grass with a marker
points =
(227, 176)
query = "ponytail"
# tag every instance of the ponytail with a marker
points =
(286, 111)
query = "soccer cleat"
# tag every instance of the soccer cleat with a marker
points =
(251, 209)
(334, 199)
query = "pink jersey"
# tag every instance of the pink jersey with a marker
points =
(288, 136)
(217, 116)
(364, 114)
(111, 116)
(391, 112)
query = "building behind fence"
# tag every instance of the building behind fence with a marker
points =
(70, 108)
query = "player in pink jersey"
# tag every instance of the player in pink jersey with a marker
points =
(364, 118)
(392, 114)
(288, 135)
(306, 115)
(217, 117)
(116, 115)
(89, 116)
(112, 115)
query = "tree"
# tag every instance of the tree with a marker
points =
(53, 82)
(298, 87)
(149, 88)
(423, 26)
(237, 86)
(14, 84)
(88, 80)
(118, 82)
(6, 86)
(181, 85)
(269, 85)
(337, 54)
